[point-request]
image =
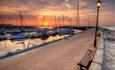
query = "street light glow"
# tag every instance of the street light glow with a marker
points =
(98, 3)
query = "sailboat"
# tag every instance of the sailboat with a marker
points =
(71, 30)
(44, 33)
(20, 35)
(3, 30)
(61, 30)
(54, 31)
(2, 37)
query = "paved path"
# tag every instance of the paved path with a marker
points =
(61, 55)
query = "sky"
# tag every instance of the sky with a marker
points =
(34, 11)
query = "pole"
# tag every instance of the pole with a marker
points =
(55, 21)
(70, 22)
(63, 18)
(21, 18)
(44, 19)
(96, 29)
(78, 22)
(2, 21)
(88, 22)
(58, 20)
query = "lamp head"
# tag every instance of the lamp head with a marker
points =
(98, 3)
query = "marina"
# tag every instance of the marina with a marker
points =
(57, 35)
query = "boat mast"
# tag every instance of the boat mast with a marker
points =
(21, 18)
(44, 18)
(55, 21)
(2, 21)
(78, 18)
(59, 21)
(70, 20)
(63, 19)
(88, 21)
(37, 21)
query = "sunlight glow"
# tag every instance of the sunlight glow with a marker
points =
(45, 14)
(45, 23)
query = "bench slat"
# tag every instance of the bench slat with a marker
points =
(87, 59)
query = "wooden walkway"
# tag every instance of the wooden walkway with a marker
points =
(61, 55)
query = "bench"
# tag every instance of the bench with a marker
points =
(86, 60)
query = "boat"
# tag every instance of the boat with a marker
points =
(44, 34)
(19, 36)
(2, 37)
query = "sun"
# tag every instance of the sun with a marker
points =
(45, 23)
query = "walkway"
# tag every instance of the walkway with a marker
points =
(61, 55)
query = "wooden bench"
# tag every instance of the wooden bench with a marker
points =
(86, 60)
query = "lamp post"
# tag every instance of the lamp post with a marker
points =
(98, 4)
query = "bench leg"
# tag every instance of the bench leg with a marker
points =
(81, 68)
(88, 68)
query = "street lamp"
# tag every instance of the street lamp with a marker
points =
(98, 4)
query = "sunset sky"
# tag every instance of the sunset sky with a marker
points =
(34, 10)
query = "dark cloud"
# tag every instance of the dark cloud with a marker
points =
(67, 7)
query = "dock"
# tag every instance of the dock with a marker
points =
(60, 55)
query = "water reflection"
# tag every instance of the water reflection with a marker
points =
(7, 46)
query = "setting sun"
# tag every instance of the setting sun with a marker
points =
(45, 23)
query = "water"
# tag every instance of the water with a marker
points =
(14, 46)
(109, 49)
(109, 27)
